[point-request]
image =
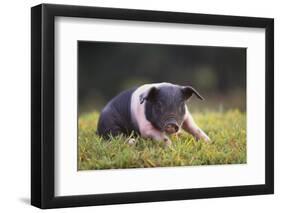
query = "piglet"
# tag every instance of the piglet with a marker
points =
(152, 111)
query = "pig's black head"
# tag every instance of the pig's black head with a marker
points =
(165, 106)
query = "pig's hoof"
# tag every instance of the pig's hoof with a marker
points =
(132, 141)
(207, 139)
(204, 137)
(167, 142)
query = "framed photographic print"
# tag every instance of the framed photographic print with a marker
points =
(139, 106)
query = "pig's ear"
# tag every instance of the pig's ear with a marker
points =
(150, 95)
(188, 91)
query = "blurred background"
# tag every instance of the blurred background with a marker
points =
(107, 68)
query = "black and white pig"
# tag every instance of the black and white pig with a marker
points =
(151, 110)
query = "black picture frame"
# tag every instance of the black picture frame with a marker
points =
(43, 102)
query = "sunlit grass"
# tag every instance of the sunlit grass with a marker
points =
(227, 131)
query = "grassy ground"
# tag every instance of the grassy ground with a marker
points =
(227, 131)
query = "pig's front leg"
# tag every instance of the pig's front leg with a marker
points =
(151, 132)
(191, 127)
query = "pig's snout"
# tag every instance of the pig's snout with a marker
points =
(171, 128)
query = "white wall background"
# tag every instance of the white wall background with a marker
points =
(15, 105)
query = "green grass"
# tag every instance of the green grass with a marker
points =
(227, 131)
